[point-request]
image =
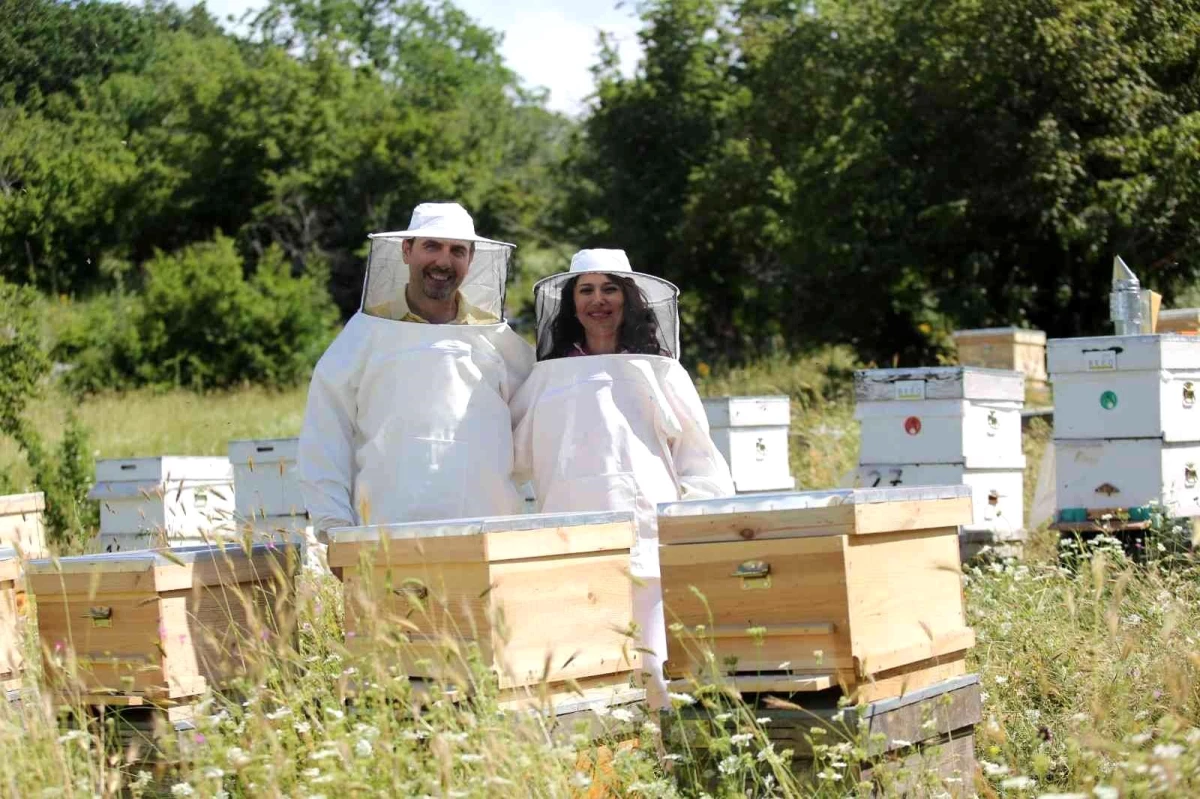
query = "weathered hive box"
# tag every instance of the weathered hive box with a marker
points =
(544, 596)
(806, 591)
(1008, 348)
(1184, 321)
(161, 625)
(1126, 387)
(168, 500)
(997, 495)
(11, 622)
(954, 414)
(265, 480)
(21, 523)
(752, 434)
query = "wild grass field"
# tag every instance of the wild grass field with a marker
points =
(1091, 675)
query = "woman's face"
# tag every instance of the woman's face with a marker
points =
(599, 304)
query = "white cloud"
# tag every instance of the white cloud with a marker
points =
(549, 43)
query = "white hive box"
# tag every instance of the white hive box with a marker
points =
(170, 499)
(265, 480)
(997, 495)
(21, 523)
(752, 434)
(953, 414)
(1006, 348)
(1126, 387)
(1108, 475)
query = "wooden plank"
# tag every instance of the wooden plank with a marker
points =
(897, 682)
(557, 542)
(756, 526)
(451, 549)
(893, 517)
(15, 504)
(944, 644)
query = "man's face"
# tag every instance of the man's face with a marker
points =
(437, 267)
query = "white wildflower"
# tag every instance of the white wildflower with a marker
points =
(309, 773)
(1106, 792)
(367, 731)
(721, 718)
(1018, 783)
(900, 743)
(650, 728)
(1168, 751)
(1139, 739)
(683, 699)
(672, 757)
(471, 758)
(283, 712)
(499, 781)
(237, 757)
(455, 737)
(729, 765)
(767, 719)
(829, 776)
(765, 753)
(323, 754)
(76, 735)
(741, 739)
(213, 773)
(324, 779)
(993, 769)
(182, 789)
(302, 727)
(621, 714)
(1000, 679)
(221, 794)
(334, 714)
(362, 747)
(142, 780)
(580, 780)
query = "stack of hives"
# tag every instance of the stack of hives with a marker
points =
(944, 425)
(267, 487)
(163, 501)
(1126, 429)
(850, 593)
(752, 434)
(545, 598)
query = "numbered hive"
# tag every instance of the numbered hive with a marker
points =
(265, 479)
(1007, 348)
(1126, 387)
(170, 500)
(543, 596)
(954, 414)
(752, 434)
(847, 587)
(21, 523)
(162, 624)
(12, 625)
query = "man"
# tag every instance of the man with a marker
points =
(407, 416)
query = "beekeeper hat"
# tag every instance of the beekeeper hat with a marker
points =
(387, 275)
(662, 297)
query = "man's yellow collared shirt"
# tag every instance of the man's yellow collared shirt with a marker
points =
(468, 314)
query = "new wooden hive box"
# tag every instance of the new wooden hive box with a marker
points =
(543, 596)
(161, 624)
(11, 622)
(812, 590)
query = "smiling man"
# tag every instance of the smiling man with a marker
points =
(407, 416)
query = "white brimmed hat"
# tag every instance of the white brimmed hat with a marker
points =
(440, 221)
(662, 296)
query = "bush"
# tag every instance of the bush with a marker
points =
(200, 324)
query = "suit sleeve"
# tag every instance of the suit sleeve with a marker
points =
(699, 466)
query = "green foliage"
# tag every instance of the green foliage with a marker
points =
(200, 323)
(878, 173)
(23, 361)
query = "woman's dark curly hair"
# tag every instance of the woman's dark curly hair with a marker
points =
(639, 328)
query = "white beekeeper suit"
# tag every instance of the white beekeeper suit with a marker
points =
(406, 420)
(617, 432)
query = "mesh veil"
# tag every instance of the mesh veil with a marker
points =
(387, 278)
(662, 300)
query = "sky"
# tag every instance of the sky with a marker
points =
(549, 43)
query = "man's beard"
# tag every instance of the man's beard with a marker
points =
(438, 289)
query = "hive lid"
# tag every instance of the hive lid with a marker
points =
(13, 504)
(159, 569)
(166, 468)
(10, 564)
(1123, 353)
(770, 410)
(263, 450)
(491, 538)
(938, 382)
(1022, 335)
(846, 511)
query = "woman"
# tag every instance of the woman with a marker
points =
(609, 420)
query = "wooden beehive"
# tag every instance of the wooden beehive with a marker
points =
(812, 590)
(545, 597)
(1010, 348)
(161, 625)
(21, 523)
(1185, 321)
(11, 622)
